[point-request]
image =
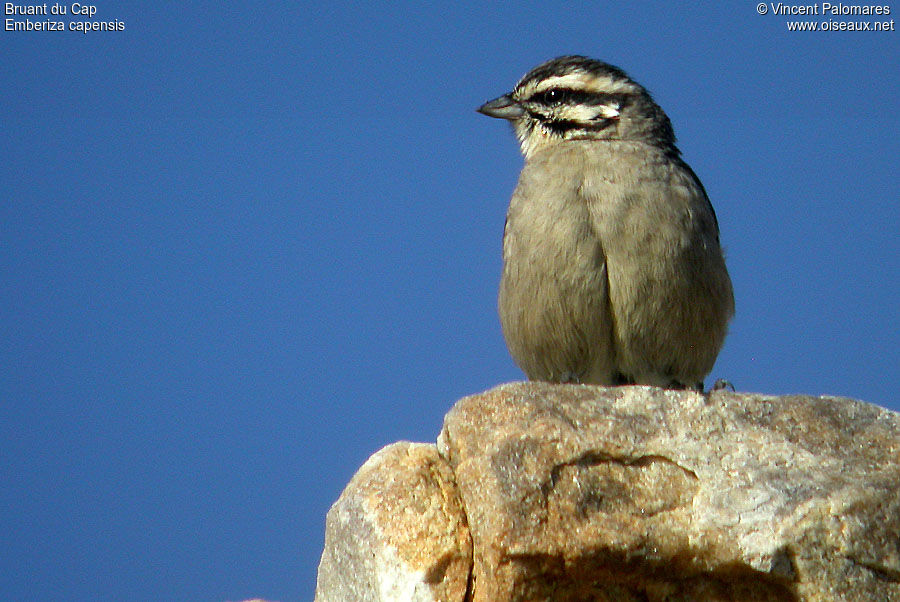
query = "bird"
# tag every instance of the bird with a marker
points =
(613, 272)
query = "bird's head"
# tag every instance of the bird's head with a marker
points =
(578, 98)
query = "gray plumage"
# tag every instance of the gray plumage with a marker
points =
(612, 268)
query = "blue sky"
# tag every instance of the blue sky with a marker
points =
(245, 246)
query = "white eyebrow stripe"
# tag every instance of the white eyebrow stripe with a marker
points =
(573, 81)
(588, 82)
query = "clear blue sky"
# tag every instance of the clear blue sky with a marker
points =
(246, 245)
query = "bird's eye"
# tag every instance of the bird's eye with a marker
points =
(554, 96)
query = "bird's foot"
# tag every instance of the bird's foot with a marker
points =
(722, 385)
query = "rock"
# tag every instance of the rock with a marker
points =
(397, 532)
(631, 493)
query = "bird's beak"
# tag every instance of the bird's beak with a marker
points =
(502, 108)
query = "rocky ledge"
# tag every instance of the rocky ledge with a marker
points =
(567, 492)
